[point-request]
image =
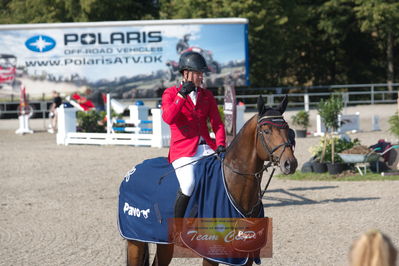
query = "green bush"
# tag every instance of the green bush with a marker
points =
(339, 145)
(90, 121)
(329, 111)
(301, 119)
(394, 124)
(221, 112)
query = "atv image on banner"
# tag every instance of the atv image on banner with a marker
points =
(182, 47)
(8, 71)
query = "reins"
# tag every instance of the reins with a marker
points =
(171, 171)
(258, 177)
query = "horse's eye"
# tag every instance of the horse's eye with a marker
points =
(267, 131)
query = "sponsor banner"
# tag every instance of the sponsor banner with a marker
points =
(221, 237)
(121, 58)
(230, 112)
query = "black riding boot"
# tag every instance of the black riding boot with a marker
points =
(181, 204)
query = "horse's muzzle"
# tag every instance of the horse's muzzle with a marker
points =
(288, 166)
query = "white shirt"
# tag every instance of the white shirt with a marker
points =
(193, 96)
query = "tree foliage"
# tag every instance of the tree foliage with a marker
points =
(329, 111)
(47, 11)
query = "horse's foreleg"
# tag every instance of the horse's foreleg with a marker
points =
(206, 262)
(250, 262)
(164, 255)
(137, 253)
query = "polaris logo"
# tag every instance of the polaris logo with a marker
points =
(98, 38)
(40, 43)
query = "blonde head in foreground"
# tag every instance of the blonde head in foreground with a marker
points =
(373, 249)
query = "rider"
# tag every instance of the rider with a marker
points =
(186, 108)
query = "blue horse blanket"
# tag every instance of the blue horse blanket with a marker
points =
(147, 196)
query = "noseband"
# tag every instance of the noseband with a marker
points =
(276, 121)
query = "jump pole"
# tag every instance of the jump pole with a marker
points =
(25, 112)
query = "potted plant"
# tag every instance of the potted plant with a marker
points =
(326, 144)
(329, 111)
(322, 149)
(89, 121)
(301, 120)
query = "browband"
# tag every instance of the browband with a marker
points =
(274, 120)
(269, 117)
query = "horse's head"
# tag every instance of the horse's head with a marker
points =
(274, 141)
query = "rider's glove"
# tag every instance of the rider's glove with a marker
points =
(187, 88)
(220, 149)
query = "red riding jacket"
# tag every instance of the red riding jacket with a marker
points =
(188, 122)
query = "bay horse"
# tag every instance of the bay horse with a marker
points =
(265, 137)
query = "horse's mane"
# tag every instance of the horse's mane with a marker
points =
(241, 132)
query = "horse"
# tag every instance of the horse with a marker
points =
(264, 138)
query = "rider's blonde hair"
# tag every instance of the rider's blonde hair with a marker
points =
(373, 249)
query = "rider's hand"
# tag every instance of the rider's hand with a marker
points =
(220, 149)
(187, 88)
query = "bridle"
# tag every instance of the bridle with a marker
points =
(275, 121)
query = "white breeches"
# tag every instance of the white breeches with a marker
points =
(185, 174)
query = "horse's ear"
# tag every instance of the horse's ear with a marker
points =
(261, 104)
(283, 105)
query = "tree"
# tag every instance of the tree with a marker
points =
(108, 10)
(381, 19)
(47, 11)
(5, 17)
(36, 11)
(329, 111)
(272, 32)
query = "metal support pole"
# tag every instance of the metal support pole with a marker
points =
(270, 100)
(306, 102)
(109, 122)
(345, 99)
(43, 106)
(372, 94)
(398, 103)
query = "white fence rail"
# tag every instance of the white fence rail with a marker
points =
(67, 134)
(309, 97)
(299, 97)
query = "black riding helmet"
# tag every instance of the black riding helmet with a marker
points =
(192, 61)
